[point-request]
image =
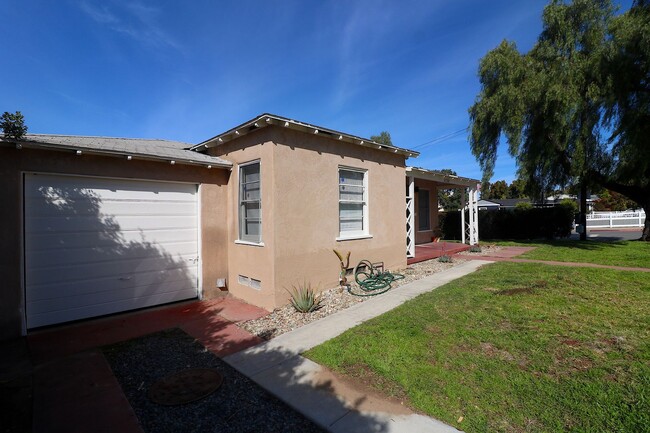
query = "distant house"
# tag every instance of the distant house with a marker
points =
(99, 225)
(557, 199)
(506, 203)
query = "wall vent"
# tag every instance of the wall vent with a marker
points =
(250, 282)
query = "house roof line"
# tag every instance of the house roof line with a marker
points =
(119, 147)
(267, 119)
(439, 176)
(106, 137)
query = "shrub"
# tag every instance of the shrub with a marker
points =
(523, 205)
(475, 249)
(534, 223)
(304, 299)
(444, 259)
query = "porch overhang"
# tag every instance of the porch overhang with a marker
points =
(468, 189)
(444, 180)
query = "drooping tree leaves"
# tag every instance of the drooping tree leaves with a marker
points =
(576, 107)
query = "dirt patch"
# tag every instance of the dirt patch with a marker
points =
(489, 350)
(571, 342)
(515, 291)
(582, 364)
(529, 289)
(355, 390)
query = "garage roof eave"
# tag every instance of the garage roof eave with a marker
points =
(268, 119)
(185, 157)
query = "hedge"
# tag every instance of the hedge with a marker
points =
(520, 223)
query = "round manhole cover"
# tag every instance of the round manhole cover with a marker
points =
(185, 386)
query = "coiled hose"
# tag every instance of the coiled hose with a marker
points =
(372, 282)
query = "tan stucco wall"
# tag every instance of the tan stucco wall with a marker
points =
(425, 236)
(14, 162)
(300, 211)
(249, 260)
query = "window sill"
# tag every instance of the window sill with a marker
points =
(253, 244)
(353, 237)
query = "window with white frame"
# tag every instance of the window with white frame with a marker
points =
(250, 203)
(353, 204)
(424, 213)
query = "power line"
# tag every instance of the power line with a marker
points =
(441, 138)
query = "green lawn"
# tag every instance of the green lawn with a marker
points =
(514, 347)
(623, 253)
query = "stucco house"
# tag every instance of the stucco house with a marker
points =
(98, 225)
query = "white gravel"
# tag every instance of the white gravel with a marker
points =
(286, 318)
(486, 250)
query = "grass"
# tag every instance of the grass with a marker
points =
(513, 348)
(622, 253)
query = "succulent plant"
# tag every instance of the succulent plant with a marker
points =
(304, 299)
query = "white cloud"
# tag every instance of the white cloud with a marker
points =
(135, 20)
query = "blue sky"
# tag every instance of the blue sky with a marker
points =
(189, 70)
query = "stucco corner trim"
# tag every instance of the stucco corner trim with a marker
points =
(254, 244)
(352, 238)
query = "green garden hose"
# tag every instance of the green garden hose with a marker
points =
(371, 281)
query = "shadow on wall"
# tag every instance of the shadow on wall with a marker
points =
(88, 255)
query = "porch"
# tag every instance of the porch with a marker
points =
(422, 211)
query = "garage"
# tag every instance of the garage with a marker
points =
(96, 246)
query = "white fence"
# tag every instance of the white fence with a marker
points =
(615, 219)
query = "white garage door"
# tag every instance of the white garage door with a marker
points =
(96, 246)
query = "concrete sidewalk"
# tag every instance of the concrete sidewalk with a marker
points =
(278, 367)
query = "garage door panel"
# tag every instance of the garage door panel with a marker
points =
(110, 293)
(111, 284)
(92, 243)
(42, 208)
(59, 316)
(74, 187)
(123, 267)
(85, 255)
(125, 223)
(54, 241)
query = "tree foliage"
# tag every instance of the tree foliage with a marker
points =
(576, 107)
(449, 199)
(382, 138)
(13, 125)
(613, 201)
(501, 190)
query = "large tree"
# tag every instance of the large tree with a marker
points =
(382, 138)
(576, 107)
(13, 125)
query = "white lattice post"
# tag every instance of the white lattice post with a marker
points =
(410, 218)
(463, 204)
(470, 208)
(476, 216)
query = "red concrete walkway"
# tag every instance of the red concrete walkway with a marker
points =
(74, 389)
(433, 250)
(508, 254)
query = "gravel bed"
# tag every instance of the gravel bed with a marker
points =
(486, 250)
(286, 318)
(238, 406)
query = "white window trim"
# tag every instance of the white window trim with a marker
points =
(255, 244)
(239, 240)
(352, 238)
(357, 234)
(418, 210)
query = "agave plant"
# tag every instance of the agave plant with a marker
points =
(475, 249)
(304, 299)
